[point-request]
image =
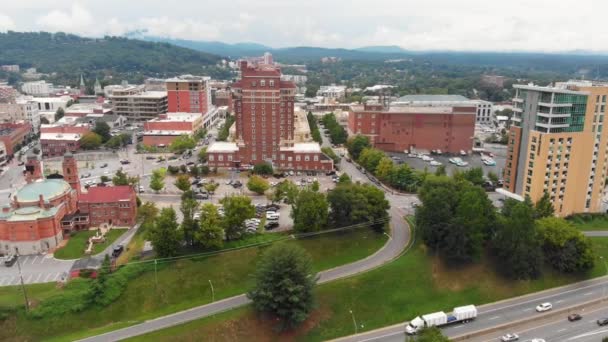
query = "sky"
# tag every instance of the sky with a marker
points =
(463, 25)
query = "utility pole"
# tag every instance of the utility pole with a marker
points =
(155, 275)
(27, 302)
(354, 321)
(212, 291)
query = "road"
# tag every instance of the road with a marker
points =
(393, 248)
(492, 315)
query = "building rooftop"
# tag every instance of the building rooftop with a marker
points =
(178, 117)
(60, 136)
(433, 98)
(28, 214)
(143, 94)
(167, 132)
(220, 146)
(308, 147)
(48, 188)
(109, 194)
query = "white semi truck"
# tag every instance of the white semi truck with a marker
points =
(461, 314)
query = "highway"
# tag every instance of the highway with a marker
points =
(507, 311)
(399, 238)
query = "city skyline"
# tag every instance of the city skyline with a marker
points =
(470, 25)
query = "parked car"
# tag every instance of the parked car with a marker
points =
(330, 173)
(509, 337)
(125, 161)
(21, 163)
(602, 321)
(117, 250)
(104, 165)
(272, 215)
(574, 317)
(544, 307)
(271, 225)
(150, 157)
(141, 189)
(237, 184)
(10, 260)
(201, 196)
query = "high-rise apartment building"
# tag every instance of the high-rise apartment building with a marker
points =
(557, 145)
(265, 125)
(136, 104)
(188, 94)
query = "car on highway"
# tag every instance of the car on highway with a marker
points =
(544, 307)
(509, 337)
(602, 321)
(574, 317)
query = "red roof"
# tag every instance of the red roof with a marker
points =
(107, 194)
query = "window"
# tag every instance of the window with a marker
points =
(262, 83)
(271, 82)
(211, 157)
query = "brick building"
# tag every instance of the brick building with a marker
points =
(264, 129)
(449, 129)
(45, 210)
(167, 127)
(13, 134)
(57, 140)
(188, 94)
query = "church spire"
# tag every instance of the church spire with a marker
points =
(83, 87)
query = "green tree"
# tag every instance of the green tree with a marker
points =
(331, 154)
(118, 141)
(103, 130)
(370, 158)
(309, 212)
(182, 182)
(439, 199)
(60, 113)
(164, 234)
(236, 210)
(210, 235)
(474, 175)
(98, 286)
(431, 334)
(211, 187)
(357, 144)
(315, 186)
(284, 269)
(262, 169)
(225, 130)
(157, 181)
(147, 212)
(120, 178)
(189, 226)
(285, 190)
(493, 178)
(202, 155)
(385, 168)
(182, 143)
(104, 179)
(544, 207)
(257, 184)
(344, 179)
(358, 203)
(517, 246)
(90, 141)
(565, 248)
(441, 171)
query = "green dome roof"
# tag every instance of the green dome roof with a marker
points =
(48, 188)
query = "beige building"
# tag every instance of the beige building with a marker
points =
(558, 145)
(138, 105)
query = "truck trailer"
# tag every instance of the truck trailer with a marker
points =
(461, 314)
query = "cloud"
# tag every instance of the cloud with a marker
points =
(77, 20)
(179, 28)
(6, 23)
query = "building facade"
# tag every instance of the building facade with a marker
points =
(557, 145)
(188, 94)
(136, 104)
(163, 130)
(265, 125)
(484, 114)
(37, 88)
(13, 134)
(409, 128)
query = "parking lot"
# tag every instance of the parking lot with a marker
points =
(35, 269)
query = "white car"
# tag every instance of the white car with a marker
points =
(435, 163)
(544, 307)
(426, 158)
(509, 337)
(272, 215)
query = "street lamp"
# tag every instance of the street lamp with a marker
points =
(354, 321)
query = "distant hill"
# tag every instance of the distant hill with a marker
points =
(66, 53)
(383, 49)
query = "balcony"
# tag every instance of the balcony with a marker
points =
(551, 125)
(546, 104)
(554, 115)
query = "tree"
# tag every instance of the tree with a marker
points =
(120, 178)
(370, 158)
(517, 246)
(90, 141)
(164, 234)
(262, 169)
(315, 186)
(358, 203)
(211, 187)
(385, 169)
(182, 182)
(210, 235)
(344, 179)
(257, 184)
(182, 143)
(474, 175)
(104, 179)
(202, 155)
(103, 130)
(157, 182)
(285, 190)
(59, 114)
(236, 210)
(309, 212)
(357, 144)
(97, 289)
(189, 226)
(44, 121)
(441, 171)
(118, 141)
(284, 284)
(565, 248)
(438, 196)
(147, 212)
(431, 334)
(544, 207)
(493, 177)
(331, 154)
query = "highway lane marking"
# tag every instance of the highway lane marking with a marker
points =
(587, 294)
(559, 301)
(544, 297)
(493, 318)
(587, 334)
(56, 276)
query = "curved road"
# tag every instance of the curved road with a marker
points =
(400, 236)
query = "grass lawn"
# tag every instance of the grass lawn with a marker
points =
(77, 244)
(413, 284)
(184, 284)
(595, 222)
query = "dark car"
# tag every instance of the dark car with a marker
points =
(602, 321)
(574, 317)
(237, 184)
(10, 260)
(330, 173)
(21, 163)
(150, 157)
(104, 165)
(125, 161)
(271, 225)
(117, 250)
